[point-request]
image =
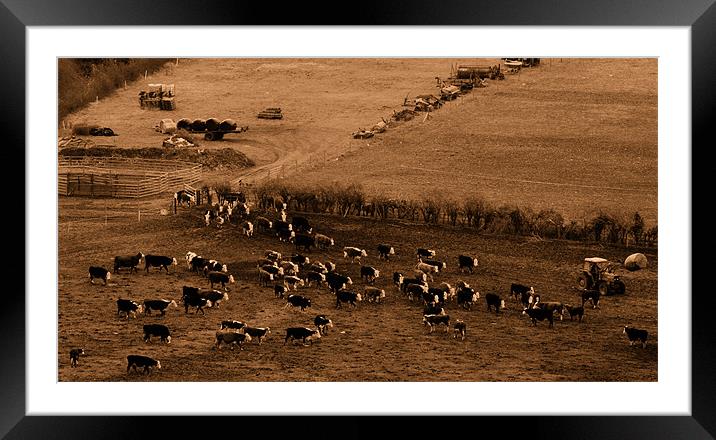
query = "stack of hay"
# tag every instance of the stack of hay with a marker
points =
(271, 113)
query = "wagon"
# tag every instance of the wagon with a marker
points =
(213, 129)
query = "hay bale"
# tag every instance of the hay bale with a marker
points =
(635, 262)
(167, 126)
(198, 125)
(228, 125)
(212, 124)
(183, 124)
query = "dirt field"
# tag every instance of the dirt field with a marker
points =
(507, 142)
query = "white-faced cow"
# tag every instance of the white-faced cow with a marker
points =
(99, 272)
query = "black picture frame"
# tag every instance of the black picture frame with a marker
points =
(700, 15)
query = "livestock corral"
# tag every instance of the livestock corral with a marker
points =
(316, 296)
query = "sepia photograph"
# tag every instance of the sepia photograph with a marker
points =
(367, 219)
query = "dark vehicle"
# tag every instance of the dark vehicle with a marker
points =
(597, 274)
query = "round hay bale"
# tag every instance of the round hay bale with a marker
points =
(183, 124)
(198, 125)
(212, 124)
(635, 262)
(228, 125)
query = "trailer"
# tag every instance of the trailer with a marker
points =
(217, 135)
(212, 128)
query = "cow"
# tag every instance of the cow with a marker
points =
(286, 235)
(263, 224)
(635, 335)
(234, 197)
(331, 267)
(494, 300)
(273, 270)
(160, 261)
(128, 307)
(441, 265)
(298, 301)
(215, 266)
(466, 297)
(135, 360)
(198, 264)
(435, 320)
(593, 296)
(190, 257)
(213, 297)
(385, 250)
(302, 333)
(522, 293)
(293, 282)
(209, 215)
(323, 241)
(192, 298)
(258, 333)
(299, 259)
(314, 277)
(289, 268)
(266, 262)
(322, 323)
(131, 262)
(248, 229)
(273, 255)
(354, 253)
(369, 273)
(427, 269)
(220, 277)
(279, 290)
(413, 290)
(301, 224)
(336, 280)
(429, 298)
(461, 285)
(539, 314)
(75, 354)
(158, 304)
(398, 279)
(466, 262)
(552, 306)
(459, 328)
(279, 225)
(232, 324)
(433, 309)
(573, 311)
(231, 338)
(344, 296)
(265, 278)
(157, 330)
(439, 294)
(304, 241)
(408, 281)
(319, 267)
(449, 292)
(99, 272)
(182, 197)
(373, 294)
(425, 253)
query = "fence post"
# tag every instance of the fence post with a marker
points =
(139, 215)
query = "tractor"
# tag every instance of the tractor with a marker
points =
(597, 274)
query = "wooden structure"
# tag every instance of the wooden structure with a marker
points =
(123, 177)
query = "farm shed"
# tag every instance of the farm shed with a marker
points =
(123, 177)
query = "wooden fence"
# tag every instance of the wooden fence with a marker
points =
(123, 177)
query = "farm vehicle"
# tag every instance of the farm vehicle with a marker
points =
(212, 128)
(598, 274)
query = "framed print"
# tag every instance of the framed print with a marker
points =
(333, 132)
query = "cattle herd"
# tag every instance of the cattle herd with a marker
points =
(293, 277)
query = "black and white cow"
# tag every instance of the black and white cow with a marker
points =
(135, 360)
(162, 331)
(494, 300)
(279, 290)
(435, 320)
(298, 301)
(344, 296)
(248, 229)
(354, 253)
(273, 270)
(279, 225)
(263, 224)
(539, 314)
(127, 306)
(466, 297)
(322, 323)
(385, 251)
(314, 277)
(213, 297)
(439, 295)
(324, 241)
(160, 261)
(573, 311)
(459, 328)
(522, 293)
(302, 333)
(257, 333)
(99, 272)
(336, 280)
(398, 278)
(159, 305)
(192, 298)
(369, 273)
(593, 296)
(408, 281)
(232, 324)
(552, 306)
(215, 266)
(198, 264)
(304, 241)
(293, 282)
(466, 262)
(300, 259)
(433, 309)
(131, 261)
(425, 253)
(220, 277)
(415, 290)
(373, 294)
(429, 298)
(75, 354)
(231, 338)
(635, 335)
(300, 224)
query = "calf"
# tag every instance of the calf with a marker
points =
(131, 262)
(248, 229)
(301, 224)
(99, 272)
(466, 297)
(135, 360)
(573, 311)
(220, 277)
(593, 296)
(293, 282)
(539, 314)
(494, 300)
(231, 339)
(258, 333)
(159, 261)
(298, 301)
(374, 294)
(466, 262)
(279, 290)
(75, 354)
(369, 273)
(323, 241)
(344, 296)
(128, 307)
(354, 253)
(459, 328)
(322, 323)
(157, 330)
(398, 279)
(522, 293)
(425, 253)
(385, 250)
(235, 325)
(302, 333)
(435, 320)
(159, 305)
(635, 335)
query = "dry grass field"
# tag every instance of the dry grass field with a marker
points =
(565, 135)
